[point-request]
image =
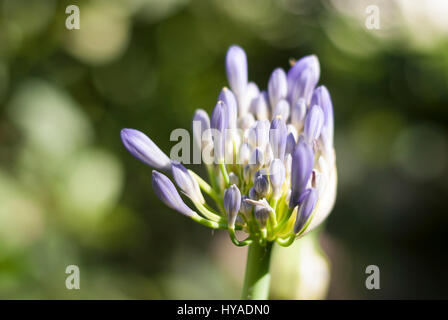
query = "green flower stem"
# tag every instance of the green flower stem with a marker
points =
(258, 277)
(208, 223)
(225, 175)
(212, 176)
(208, 214)
(286, 242)
(206, 187)
(237, 242)
(220, 213)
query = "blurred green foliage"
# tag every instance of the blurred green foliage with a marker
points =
(71, 194)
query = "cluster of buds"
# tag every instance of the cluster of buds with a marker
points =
(273, 173)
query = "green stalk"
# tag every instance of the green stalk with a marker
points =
(258, 277)
(225, 175)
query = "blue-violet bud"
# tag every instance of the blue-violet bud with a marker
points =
(313, 123)
(301, 167)
(236, 68)
(277, 86)
(232, 203)
(142, 147)
(167, 193)
(186, 182)
(307, 203)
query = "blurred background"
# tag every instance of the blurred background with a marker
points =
(71, 194)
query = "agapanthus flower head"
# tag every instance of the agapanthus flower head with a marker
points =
(274, 173)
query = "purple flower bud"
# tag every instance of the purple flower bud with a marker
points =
(229, 100)
(219, 119)
(256, 159)
(186, 182)
(288, 163)
(233, 178)
(302, 78)
(246, 207)
(308, 201)
(261, 185)
(277, 86)
(253, 194)
(201, 126)
(258, 135)
(301, 167)
(298, 113)
(291, 129)
(167, 193)
(247, 171)
(245, 101)
(281, 110)
(259, 173)
(236, 68)
(244, 153)
(261, 213)
(232, 203)
(259, 107)
(219, 123)
(322, 98)
(141, 147)
(277, 137)
(313, 123)
(268, 155)
(246, 121)
(277, 174)
(290, 144)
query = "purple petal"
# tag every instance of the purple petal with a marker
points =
(186, 182)
(142, 147)
(258, 135)
(167, 193)
(244, 153)
(229, 100)
(236, 68)
(281, 110)
(277, 137)
(261, 213)
(306, 207)
(303, 78)
(201, 126)
(277, 86)
(322, 98)
(246, 121)
(247, 97)
(259, 107)
(256, 159)
(290, 143)
(298, 113)
(313, 123)
(245, 207)
(277, 173)
(218, 123)
(232, 203)
(301, 167)
(261, 185)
